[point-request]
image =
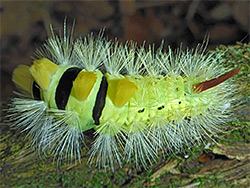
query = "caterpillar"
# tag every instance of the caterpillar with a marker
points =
(134, 102)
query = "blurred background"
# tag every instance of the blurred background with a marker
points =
(25, 25)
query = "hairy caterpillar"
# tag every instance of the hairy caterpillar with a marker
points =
(136, 102)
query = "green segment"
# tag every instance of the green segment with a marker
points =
(165, 98)
(81, 110)
(84, 109)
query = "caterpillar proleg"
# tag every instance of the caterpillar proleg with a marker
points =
(134, 101)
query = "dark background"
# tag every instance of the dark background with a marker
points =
(25, 25)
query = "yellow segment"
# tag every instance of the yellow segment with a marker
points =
(42, 70)
(22, 77)
(120, 91)
(83, 84)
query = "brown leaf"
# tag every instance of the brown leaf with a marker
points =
(240, 151)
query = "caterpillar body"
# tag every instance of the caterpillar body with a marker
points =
(135, 102)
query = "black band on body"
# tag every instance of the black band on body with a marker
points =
(36, 91)
(90, 133)
(100, 100)
(64, 87)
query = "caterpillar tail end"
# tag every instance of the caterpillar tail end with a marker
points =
(202, 86)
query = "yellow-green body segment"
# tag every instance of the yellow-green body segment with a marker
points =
(129, 98)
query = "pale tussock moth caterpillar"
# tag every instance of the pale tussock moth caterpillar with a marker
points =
(140, 103)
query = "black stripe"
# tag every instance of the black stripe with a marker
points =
(36, 91)
(100, 100)
(90, 133)
(64, 87)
